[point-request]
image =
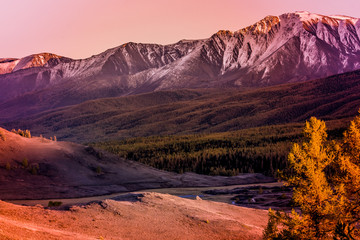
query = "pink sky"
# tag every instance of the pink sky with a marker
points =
(81, 28)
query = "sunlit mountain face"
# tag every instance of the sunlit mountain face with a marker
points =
(291, 47)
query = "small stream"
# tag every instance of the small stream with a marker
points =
(190, 193)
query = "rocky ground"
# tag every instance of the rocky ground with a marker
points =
(134, 216)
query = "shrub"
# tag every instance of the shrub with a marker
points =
(25, 162)
(23, 133)
(54, 203)
(2, 136)
(34, 169)
(99, 170)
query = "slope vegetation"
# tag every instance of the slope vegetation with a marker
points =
(194, 111)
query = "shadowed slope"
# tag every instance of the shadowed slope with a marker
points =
(193, 111)
(34, 168)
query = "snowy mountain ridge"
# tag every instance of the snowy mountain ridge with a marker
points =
(277, 49)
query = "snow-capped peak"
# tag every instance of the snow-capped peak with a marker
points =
(307, 16)
(277, 49)
(342, 17)
(310, 17)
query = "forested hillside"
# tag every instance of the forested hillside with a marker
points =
(260, 150)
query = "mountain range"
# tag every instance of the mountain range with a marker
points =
(252, 77)
(281, 49)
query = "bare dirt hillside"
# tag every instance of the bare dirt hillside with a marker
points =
(138, 216)
(38, 168)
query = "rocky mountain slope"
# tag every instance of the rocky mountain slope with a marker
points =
(278, 49)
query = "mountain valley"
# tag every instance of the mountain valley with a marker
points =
(166, 131)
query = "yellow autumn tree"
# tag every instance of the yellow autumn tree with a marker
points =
(347, 177)
(323, 174)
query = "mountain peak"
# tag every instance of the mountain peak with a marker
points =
(264, 26)
(224, 33)
(292, 47)
(331, 20)
(8, 65)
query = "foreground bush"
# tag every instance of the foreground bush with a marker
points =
(23, 133)
(2, 136)
(326, 180)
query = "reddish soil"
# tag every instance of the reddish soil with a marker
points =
(137, 216)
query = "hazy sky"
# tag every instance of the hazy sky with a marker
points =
(81, 28)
